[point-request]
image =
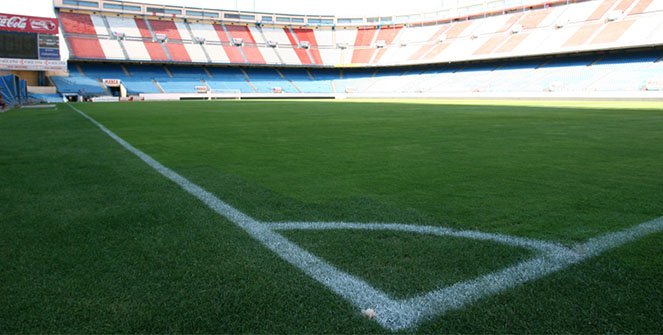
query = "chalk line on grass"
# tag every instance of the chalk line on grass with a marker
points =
(397, 314)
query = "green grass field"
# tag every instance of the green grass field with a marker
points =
(94, 240)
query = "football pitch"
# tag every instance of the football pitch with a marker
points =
(294, 216)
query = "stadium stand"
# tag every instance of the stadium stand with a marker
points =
(231, 48)
(281, 42)
(79, 83)
(248, 44)
(627, 71)
(345, 39)
(303, 81)
(329, 53)
(268, 53)
(132, 37)
(156, 51)
(363, 45)
(267, 80)
(229, 80)
(303, 54)
(210, 42)
(82, 38)
(384, 40)
(173, 40)
(536, 30)
(179, 79)
(307, 37)
(548, 46)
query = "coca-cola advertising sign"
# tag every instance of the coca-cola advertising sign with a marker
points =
(28, 24)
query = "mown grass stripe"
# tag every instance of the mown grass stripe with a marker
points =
(360, 293)
(400, 314)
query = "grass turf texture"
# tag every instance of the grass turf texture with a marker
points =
(93, 240)
(405, 265)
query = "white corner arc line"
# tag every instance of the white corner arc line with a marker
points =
(349, 287)
(394, 314)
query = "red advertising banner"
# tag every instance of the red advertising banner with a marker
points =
(112, 82)
(28, 24)
(32, 64)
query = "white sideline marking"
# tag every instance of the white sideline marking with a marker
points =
(397, 314)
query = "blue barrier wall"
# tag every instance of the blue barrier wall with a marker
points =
(13, 90)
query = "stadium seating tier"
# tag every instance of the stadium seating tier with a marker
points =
(578, 26)
(626, 71)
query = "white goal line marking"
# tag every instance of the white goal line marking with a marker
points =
(398, 314)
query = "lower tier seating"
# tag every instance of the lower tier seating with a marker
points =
(622, 71)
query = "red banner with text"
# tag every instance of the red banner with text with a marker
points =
(28, 24)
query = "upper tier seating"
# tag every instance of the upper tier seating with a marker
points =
(293, 41)
(364, 45)
(212, 46)
(309, 37)
(234, 53)
(329, 52)
(73, 23)
(284, 48)
(574, 27)
(174, 43)
(385, 37)
(268, 53)
(155, 49)
(83, 40)
(249, 49)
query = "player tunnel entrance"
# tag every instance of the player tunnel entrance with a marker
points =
(115, 88)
